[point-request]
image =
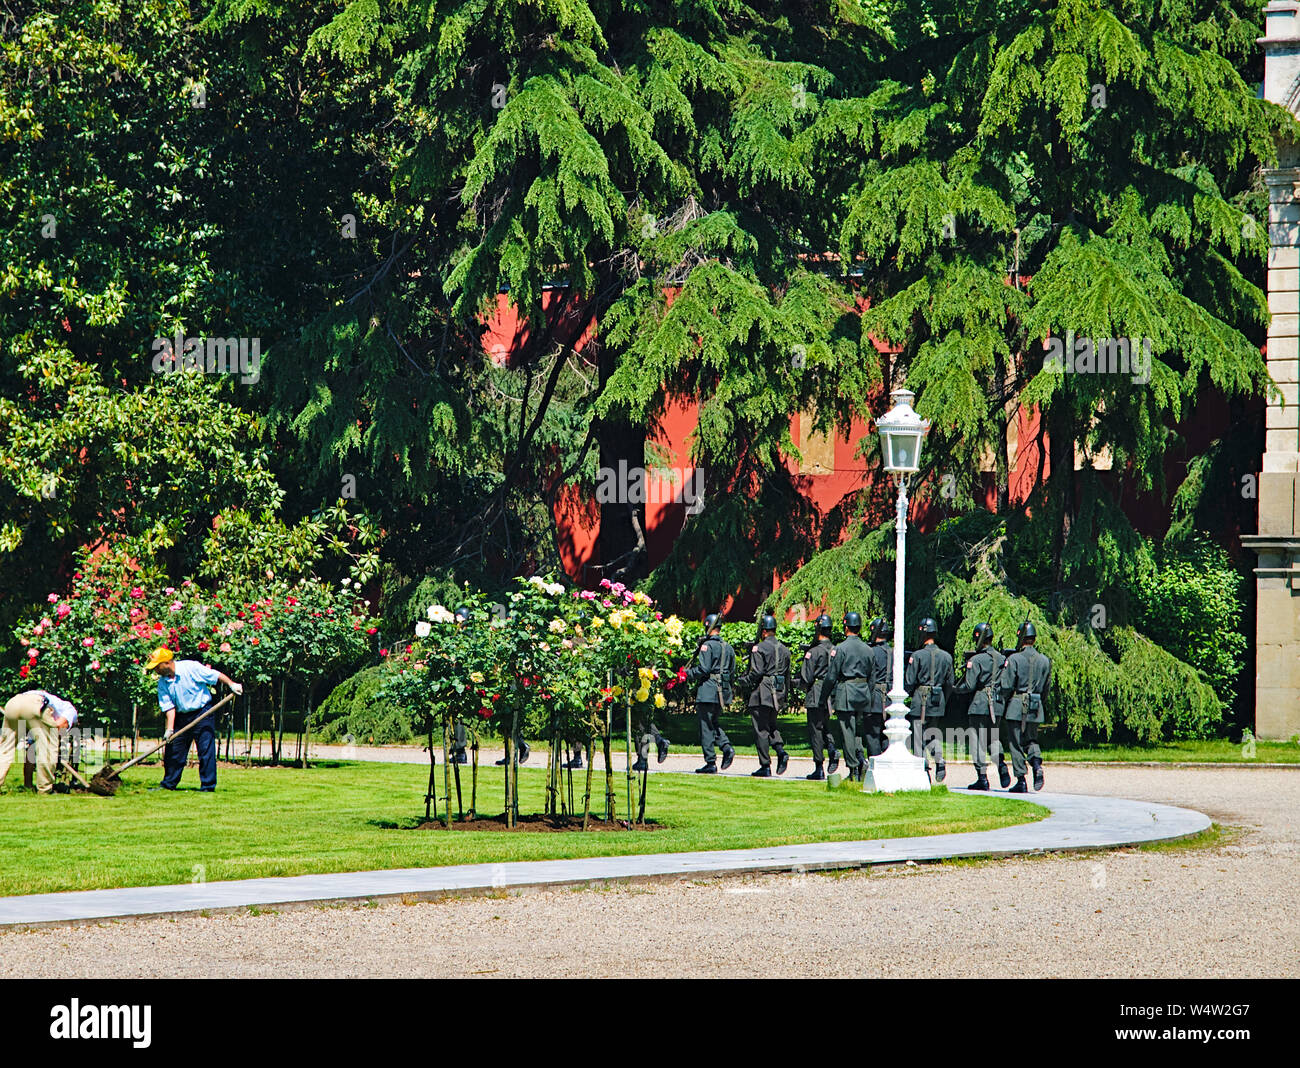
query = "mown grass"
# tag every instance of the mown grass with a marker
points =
(1215, 751)
(348, 817)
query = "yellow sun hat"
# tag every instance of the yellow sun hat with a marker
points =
(158, 656)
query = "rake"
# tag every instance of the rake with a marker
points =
(107, 779)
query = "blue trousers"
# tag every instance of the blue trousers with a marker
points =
(177, 752)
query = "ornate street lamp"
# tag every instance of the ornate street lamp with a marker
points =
(901, 434)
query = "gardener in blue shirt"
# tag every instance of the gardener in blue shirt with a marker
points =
(184, 695)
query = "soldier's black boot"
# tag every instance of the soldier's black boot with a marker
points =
(576, 762)
(458, 756)
(523, 752)
(761, 773)
(661, 745)
(728, 755)
(640, 765)
(834, 765)
(816, 773)
(1037, 764)
(709, 769)
(981, 783)
(782, 761)
(1020, 787)
(940, 770)
(1004, 774)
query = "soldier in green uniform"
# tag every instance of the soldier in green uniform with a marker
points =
(812, 677)
(767, 680)
(882, 677)
(849, 678)
(981, 681)
(1026, 677)
(648, 733)
(714, 668)
(929, 681)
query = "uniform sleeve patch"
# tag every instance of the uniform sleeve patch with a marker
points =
(832, 652)
(807, 656)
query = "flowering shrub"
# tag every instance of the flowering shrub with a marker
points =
(90, 645)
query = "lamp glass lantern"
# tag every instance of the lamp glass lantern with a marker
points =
(901, 433)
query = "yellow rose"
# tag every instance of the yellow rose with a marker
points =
(643, 694)
(617, 691)
(659, 700)
(476, 676)
(596, 621)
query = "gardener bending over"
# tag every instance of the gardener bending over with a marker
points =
(38, 712)
(184, 695)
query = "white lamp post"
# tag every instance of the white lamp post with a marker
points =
(901, 434)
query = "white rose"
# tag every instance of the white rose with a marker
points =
(537, 580)
(422, 629)
(555, 589)
(556, 626)
(433, 612)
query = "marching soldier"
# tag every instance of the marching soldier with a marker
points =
(714, 667)
(812, 677)
(882, 678)
(929, 680)
(1026, 677)
(981, 681)
(767, 680)
(849, 678)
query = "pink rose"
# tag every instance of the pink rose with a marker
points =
(33, 653)
(46, 622)
(137, 592)
(169, 590)
(88, 642)
(94, 665)
(176, 606)
(225, 647)
(52, 598)
(62, 610)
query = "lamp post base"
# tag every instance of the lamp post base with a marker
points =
(896, 770)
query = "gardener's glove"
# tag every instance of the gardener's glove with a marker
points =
(236, 688)
(167, 734)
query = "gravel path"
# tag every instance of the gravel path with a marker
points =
(1227, 911)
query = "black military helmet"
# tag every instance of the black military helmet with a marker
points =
(983, 635)
(929, 628)
(1026, 631)
(852, 621)
(462, 614)
(877, 628)
(824, 624)
(767, 623)
(712, 620)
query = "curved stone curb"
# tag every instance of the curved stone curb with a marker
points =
(1076, 822)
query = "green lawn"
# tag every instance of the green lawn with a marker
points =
(340, 816)
(1217, 751)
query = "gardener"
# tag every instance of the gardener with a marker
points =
(35, 711)
(184, 695)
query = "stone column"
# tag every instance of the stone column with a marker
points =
(1277, 576)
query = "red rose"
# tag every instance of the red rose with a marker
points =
(383, 652)
(23, 671)
(372, 630)
(203, 646)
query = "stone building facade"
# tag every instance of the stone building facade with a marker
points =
(1277, 545)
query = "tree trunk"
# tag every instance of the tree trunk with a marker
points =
(446, 764)
(1063, 482)
(473, 782)
(591, 764)
(630, 773)
(431, 795)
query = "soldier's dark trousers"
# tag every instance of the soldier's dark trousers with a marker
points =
(1021, 739)
(873, 733)
(648, 735)
(711, 731)
(819, 734)
(458, 729)
(982, 732)
(853, 755)
(766, 734)
(934, 748)
(204, 737)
